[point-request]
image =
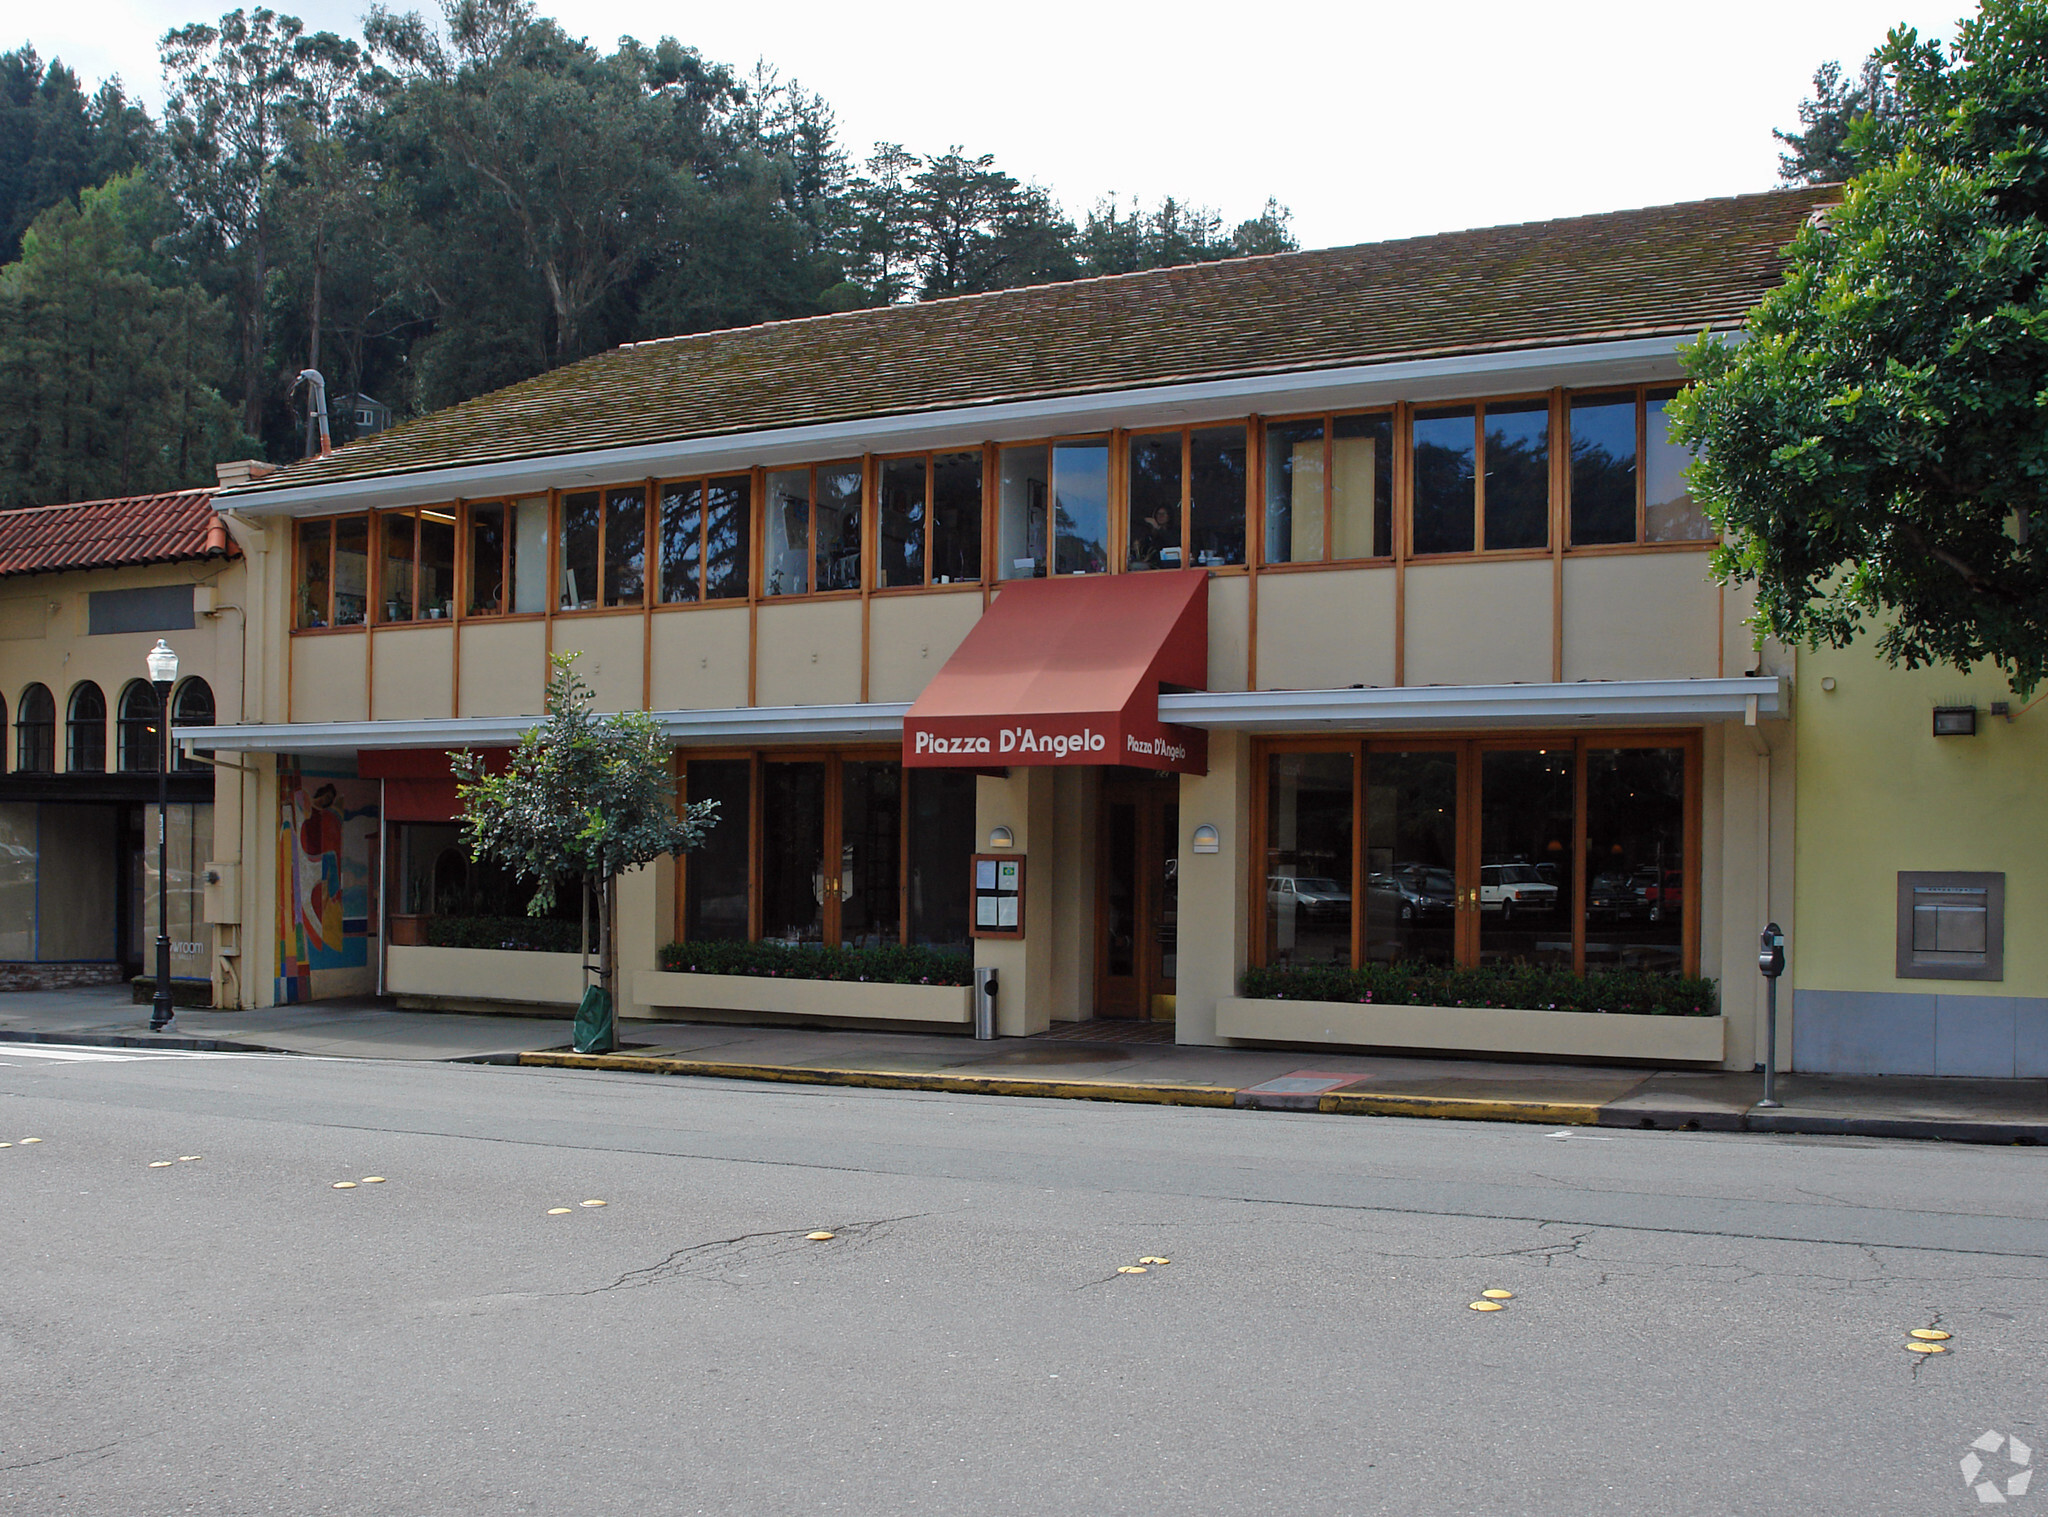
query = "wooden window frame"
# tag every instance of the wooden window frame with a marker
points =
(333, 526)
(1468, 746)
(1641, 542)
(872, 576)
(859, 462)
(557, 519)
(1479, 406)
(703, 482)
(1254, 493)
(1398, 419)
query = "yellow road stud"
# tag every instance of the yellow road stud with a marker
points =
(1925, 1348)
(558, 1211)
(159, 1163)
(593, 1203)
(1931, 1334)
(31, 1140)
(1150, 1260)
(344, 1185)
(1130, 1269)
(188, 1158)
(6, 1145)
(820, 1237)
(1487, 1306)
(1498, 1295)
(373, 1179)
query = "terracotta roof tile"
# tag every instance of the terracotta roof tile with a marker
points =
(105, 534)
(1667, 270)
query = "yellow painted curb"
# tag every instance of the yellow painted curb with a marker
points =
(1358, 1103)
(974, 1085)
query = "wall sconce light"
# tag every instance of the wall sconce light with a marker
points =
(1001, 837)
(1207, 839)
(1955, 721)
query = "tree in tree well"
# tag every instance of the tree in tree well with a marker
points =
(1875, 453)
(584, 797)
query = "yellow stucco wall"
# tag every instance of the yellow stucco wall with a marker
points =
(1641, 616)
(1326, 628)
(414, 673)
(809, 653)
(613, 649)
(910, 637)
(330, 678)
(503, 668)
(700, 658)
(1878, 793)
(1479, 623)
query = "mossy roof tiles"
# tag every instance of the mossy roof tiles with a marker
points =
(1666, 270)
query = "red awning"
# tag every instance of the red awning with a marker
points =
(1068, 671)
(418, 784)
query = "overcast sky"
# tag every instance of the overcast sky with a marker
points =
(1368, 120)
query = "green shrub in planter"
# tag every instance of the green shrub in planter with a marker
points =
(1519, 986)
(893, 965)
(529, 934)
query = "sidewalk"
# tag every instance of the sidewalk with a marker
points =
(1958, 1110)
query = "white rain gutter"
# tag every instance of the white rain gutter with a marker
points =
(1630, 361)
(1660, 702)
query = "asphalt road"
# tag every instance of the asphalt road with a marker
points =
(1699, 1323)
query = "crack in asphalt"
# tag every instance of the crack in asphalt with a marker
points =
(103, 1450)
(719, 1259)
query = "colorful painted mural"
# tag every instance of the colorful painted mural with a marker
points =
(328, 833)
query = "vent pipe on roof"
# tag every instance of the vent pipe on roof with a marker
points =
(316, 409)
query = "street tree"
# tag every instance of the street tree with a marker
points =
(582, 798)
(1875, 453)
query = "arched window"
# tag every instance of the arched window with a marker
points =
(138, 728)
(191, 706)
(85, 730)
(35, 732)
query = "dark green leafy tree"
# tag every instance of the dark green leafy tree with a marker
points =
(1123, 239)
(108, 358)
(1845, 121)
(56, 141)
(583, 798)
(1875, 453)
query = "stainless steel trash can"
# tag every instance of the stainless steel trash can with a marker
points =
(984, 1003)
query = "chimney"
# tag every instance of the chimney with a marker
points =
(242, 471)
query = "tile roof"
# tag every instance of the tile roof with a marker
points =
(1664, 270)
(105, 534)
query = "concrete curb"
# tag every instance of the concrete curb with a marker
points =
(973, 1085)
(1335, 1103)
(176, 1042)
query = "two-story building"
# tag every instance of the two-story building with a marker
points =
(85, 591)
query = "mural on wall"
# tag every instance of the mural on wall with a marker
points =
(328, 830)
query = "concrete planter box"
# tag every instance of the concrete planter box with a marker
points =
(1479, 1029)
(759, 994)
(484, 974)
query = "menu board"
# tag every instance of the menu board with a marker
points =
(998, 896)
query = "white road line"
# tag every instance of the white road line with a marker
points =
(68, 1054)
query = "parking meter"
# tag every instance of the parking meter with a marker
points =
(1770, 963)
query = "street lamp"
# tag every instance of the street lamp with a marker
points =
(163, 674)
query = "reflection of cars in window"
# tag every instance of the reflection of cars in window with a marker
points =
(1312, 896)
(1611, 897)
(1410, 893)
(1515, 890)
(1658, 892)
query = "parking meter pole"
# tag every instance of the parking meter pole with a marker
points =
(1770, 962)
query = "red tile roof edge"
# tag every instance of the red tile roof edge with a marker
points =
(125, 531)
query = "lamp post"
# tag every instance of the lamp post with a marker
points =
(163, 674)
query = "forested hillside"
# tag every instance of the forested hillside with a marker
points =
(437, 208)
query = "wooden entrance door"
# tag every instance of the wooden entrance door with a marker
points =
(1137, 897)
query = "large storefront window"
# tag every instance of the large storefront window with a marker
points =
(57, 880)
(1571, 854)
(835, 852)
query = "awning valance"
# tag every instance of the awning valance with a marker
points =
(1069, 671)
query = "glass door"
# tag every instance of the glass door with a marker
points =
(1137, 898)
(1527, 856)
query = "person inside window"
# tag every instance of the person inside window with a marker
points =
(1152, 537)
